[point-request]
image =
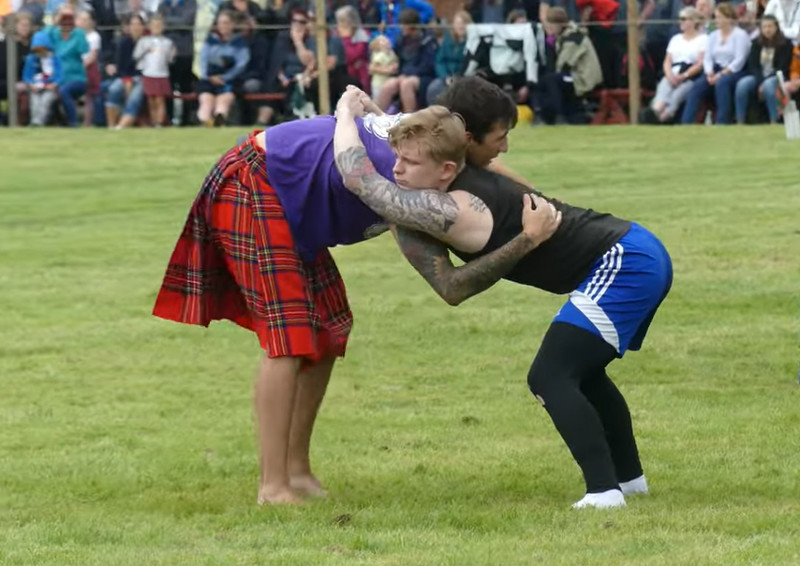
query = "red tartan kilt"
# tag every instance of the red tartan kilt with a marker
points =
(236, 259)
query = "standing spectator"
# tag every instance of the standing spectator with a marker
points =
(390, 16)
(125, 91)
(706, 9)
(771, 52)
(247, 8)
(178, 16)
(355, 41)
(70, 45)
(369, 13)
(603, 14)
(132, 8)
(91, 61)
(787, 14)
(724, 61)
(576, 71)
(450, 56)
(42, 73)
(153, 54)
(682, 64)
(35, 9)
(223, 59)
(383, 63)
(416, 51)
(23, 30)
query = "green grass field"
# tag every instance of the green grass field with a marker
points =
(128, 440)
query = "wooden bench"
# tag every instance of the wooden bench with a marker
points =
(612, 105)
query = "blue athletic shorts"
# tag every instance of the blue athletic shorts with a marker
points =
(618, 299)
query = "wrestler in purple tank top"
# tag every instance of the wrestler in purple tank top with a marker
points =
(320, 210)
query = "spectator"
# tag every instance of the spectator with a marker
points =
(91, 61)
(390, 16)
(355, 41)
(22, 35)
(130, 8)
(35, 9)
(723, 64)
(383, 63)
(771, 52)
(450, 56)
(787, 14)
(255, 77)
(682, 64)
(180, 14)
(246, 8)
(368, 12)
(223, 59)
(42, 73)
(706, 9)
(575, 73)
(416, 52)
(70, 45)
(293, 58)
(517, 17)
(153, 54)
(125, 91)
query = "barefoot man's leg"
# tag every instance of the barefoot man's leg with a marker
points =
(274, 398)
(311, 387)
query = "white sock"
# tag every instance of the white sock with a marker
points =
(604, 500)
(635, 486)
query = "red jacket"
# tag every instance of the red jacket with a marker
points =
(602, 10)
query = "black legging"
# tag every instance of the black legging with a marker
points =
(569, 377)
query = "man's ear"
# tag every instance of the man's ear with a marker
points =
(469, 138)
(449, 170)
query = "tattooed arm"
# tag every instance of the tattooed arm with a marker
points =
(454, 284)
(431, 259)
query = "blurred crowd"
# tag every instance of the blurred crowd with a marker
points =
(123, 63)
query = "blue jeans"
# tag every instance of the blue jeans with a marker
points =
(70, 92)
(723, 94)
(745, 89)
(116, 96)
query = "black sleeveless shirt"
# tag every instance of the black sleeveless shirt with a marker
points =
(562, 262)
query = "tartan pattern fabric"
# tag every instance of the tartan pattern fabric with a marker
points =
(236, 260)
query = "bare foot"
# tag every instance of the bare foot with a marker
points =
(277, 496)
(307, 485)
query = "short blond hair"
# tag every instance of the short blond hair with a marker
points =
(441, 134)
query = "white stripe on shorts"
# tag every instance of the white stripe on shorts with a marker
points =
(613, 269)
(596, 316)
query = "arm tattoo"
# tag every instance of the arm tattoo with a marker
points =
(477, 204)
(430, 211)
(454, 284)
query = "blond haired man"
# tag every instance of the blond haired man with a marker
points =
(615, 272)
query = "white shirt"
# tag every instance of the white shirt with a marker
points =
(153, 55)
(95, 43)
(686, 52)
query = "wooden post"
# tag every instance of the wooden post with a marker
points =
(11, 70)
(323, 84)
(634, 84)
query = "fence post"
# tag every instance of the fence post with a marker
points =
(323, 85)
(634, 84)
(11, 69)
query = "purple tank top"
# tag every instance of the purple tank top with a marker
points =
(320, 210)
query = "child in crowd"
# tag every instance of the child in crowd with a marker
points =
(383, 62)
(153, 54)
(41, 73)
(91, 61)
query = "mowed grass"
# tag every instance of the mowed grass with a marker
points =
(128, 440)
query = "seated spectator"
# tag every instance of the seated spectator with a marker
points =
(42, 73)
(787, 14)
(293, 63)
(355, 42)
(180, 14)
(770, 52)
(574, 73)
(416, 52)
(23, 29)
(153, 54)
(223, 59)
(723, 64)
(682, 64)
(125, 90)
(91, 61)
(383, 63)
(450, 56)
(70, 46)
(255, 76)
(390, 16)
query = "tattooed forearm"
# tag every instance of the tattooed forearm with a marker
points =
(454, 284)
(430, 211)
